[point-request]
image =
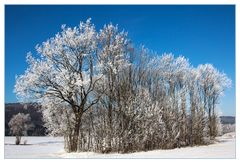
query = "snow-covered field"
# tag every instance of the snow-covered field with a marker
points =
(49, 147)
(37, 147)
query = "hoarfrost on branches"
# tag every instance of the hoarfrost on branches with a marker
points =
(103, 94)
(19, 125)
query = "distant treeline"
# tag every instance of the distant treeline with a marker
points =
(36, 116)
(227, 120)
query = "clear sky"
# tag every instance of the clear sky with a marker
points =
(203, 34)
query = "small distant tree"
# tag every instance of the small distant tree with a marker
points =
(19, 125)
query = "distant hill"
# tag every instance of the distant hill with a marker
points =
(36, 117)
(227, 119)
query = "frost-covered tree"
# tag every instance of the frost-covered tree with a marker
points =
(169, 78)
(112, 53)
(194, 116)
(226, 128)
(212, 85)
(65, 72)
(19, 125)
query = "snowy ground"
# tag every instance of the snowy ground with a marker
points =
(48, 147)
(37, 147)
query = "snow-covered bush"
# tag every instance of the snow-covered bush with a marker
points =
(226, 128)
(19, 125)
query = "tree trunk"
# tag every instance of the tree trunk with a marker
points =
(109, 125)
(72, 144)
(183, 118)
(210, 121)
(18, 140)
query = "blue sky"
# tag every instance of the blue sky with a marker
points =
(203, 34)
